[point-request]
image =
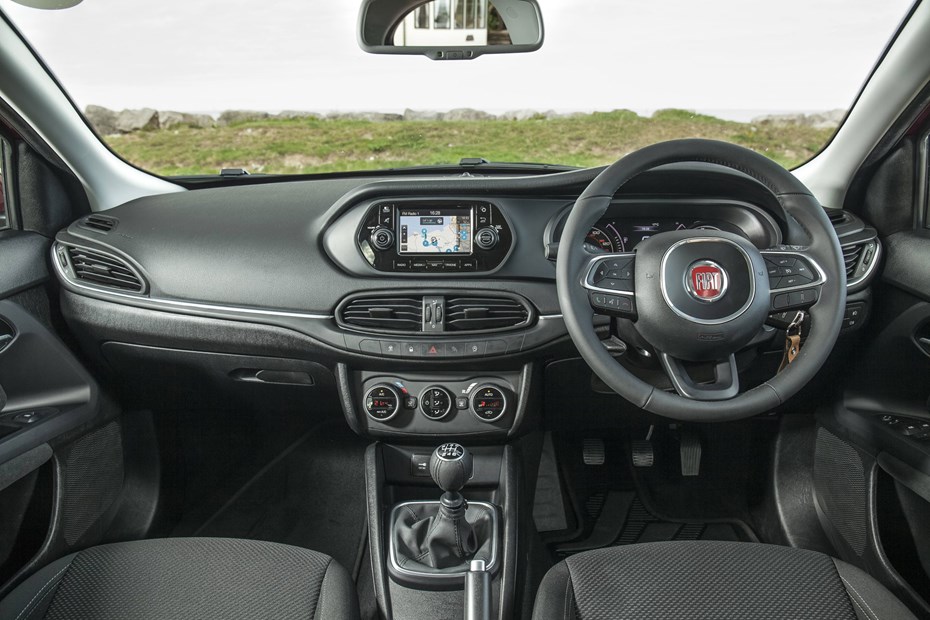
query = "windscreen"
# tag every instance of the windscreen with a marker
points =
(281, 86)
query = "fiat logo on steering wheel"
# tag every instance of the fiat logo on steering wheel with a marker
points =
(706, 281)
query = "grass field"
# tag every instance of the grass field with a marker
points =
(311, 145)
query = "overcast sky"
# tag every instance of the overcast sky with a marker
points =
(718, 55)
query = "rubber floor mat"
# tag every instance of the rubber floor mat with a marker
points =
(621, 518)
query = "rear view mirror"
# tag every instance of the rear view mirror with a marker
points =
(450, 29)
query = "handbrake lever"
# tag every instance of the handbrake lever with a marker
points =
(477, 591)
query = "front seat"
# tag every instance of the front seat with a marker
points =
(181, 578)
(711, 581)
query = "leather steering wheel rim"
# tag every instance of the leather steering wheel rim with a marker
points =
(813, 234)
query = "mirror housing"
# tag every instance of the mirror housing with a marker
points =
(380, 20)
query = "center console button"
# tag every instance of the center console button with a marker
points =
(475, 349)
(435, 402)
(382, 402)
(455, 349)
(390, 347)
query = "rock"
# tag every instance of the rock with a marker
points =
(373, 117)
(467, 114)
(231, 117)
(520, 115)
(129, 121)
(170, 119)
(780, 120)
(827, 120)
(101, 119)
(298, 114)
(830, 119)
(422, 115)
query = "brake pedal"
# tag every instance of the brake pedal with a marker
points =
(593, 452)
(690, 453)
(642, 453)
(641, 450)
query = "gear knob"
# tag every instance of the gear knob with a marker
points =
(450, 465)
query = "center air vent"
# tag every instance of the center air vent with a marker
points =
(99, 223)
(387, 313)
(102, 269)
(481, 313)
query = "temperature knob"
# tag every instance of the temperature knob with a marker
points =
(382, 402)
(489, 403)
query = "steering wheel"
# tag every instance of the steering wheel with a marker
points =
(703, 295)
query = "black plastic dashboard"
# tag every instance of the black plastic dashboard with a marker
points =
(290, 255)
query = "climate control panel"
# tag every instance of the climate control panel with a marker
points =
(438, 404)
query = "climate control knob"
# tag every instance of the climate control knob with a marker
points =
(382, 239)
(435, 402)
(486, 238)
(489, 402)
(382, 402)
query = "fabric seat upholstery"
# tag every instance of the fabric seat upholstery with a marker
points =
(187, 578)
(711, 581)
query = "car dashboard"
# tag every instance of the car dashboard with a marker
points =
(411, 295)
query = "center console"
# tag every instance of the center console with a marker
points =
(440, 519)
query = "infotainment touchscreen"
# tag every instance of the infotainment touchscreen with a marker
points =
(435, 231)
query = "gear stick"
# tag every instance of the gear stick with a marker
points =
(451, 466)
(451, 536)
(436, 538)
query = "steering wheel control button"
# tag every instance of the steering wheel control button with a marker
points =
(489, 403)
(382, 239)
(382, 402)
(486, 238)
(435, 402)
(620, 305)
(706, 281)
(789, 271)
(611, 273)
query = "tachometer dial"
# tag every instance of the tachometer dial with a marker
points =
(598, 241)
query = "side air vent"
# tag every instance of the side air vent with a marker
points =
(99, 223)
(481, 313)
(385, 313)
(851, 254)
(102, 269)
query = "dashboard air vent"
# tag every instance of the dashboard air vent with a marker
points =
(103, 269)
(99, 223)
(851, 255)
(479, 313)
(391, 313)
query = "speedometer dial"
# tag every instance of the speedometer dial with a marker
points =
(599, 241)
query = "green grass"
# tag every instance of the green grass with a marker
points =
(311, 145)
